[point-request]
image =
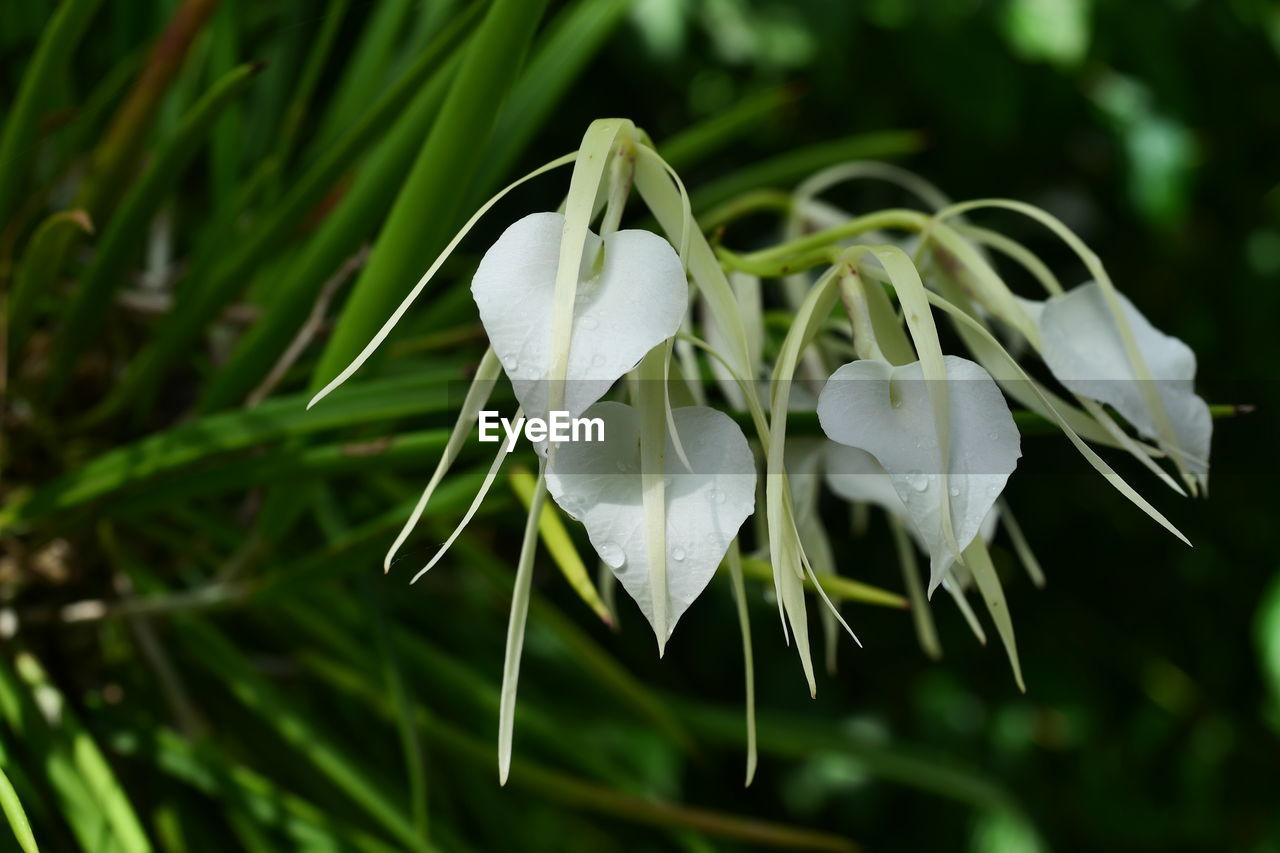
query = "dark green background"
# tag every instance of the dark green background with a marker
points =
(1151, 717)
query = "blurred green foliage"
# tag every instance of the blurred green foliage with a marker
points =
(199, 651)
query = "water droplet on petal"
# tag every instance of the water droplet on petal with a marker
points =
(612, 555)
(918, 481)
(993, 436)
(955, 492)
(717, 496)
(897, 404)
(677, 554)
(588, 322)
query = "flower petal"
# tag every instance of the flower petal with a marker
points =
(630, 298)
(599, 483)
(856, 476)
(1085, 352)
(887, 412)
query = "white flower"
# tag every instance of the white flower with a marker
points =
(599, 484)
(1084, 348)
(631, 296)
(888, 412)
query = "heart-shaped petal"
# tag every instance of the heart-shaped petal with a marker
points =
(599, 483)
(887, 411)
(631, 296)
(1084, 350)
(856, 475)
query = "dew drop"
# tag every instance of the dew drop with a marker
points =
(918, 481)
(612, 555)
(993, 436)
(677, 554)
(955, 492)
(588, 322)
(717, 496)
(897, 404)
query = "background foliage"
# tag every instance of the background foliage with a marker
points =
(199, 652)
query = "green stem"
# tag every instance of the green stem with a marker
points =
(812, 249)
(744, 205)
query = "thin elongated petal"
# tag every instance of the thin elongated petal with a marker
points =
(887, 412)
(1085, 352)
(631, 296)
(600, 484)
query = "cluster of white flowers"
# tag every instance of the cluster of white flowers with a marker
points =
(924, 435)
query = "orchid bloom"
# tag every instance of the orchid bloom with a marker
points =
(588, 319)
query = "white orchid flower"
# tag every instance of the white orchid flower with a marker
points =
(1085, 350)
(572, 305)
(887, 411)
(599, 484)
(631, 297)
(569, 311)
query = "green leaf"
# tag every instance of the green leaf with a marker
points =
(563, 50)
(398, 118)
(121, 144)
(433, 193)
(44, 73)
(16, 816)
(37, 271)
(127, 229)
(93, 801)
(276, 419)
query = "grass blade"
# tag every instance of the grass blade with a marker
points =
(435, 188)
(127, 229)
(43, 74)
(37, 271)
(122, 143)
(274, 420)
(402, 115)
(16, 815)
